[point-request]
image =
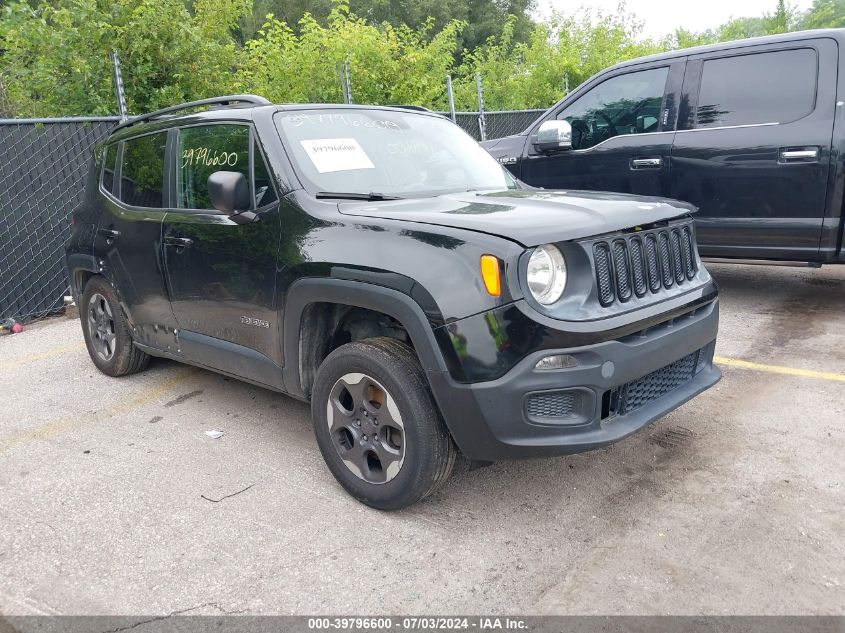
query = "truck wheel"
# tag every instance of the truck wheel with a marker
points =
(107, 332)
(377, 425)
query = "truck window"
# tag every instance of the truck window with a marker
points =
(204, 150)
(625, 104)
(142, 171)
(750, 89)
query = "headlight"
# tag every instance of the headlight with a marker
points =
(546, 274)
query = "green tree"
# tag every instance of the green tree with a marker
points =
(388, 64)
(55, 57)
(824, 14)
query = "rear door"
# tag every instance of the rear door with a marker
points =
(622, 128)
(128, 241)
(752, 150)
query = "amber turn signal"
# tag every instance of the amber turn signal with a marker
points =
(490, 274)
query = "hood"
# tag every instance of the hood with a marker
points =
(529, 217)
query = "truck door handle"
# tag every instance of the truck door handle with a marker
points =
(178, 242)
(803, 155)
(110, 234)
(647, 163)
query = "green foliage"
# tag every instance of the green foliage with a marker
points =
(54, 54)
(824, 14)
(388, 64)
(563, 52)
(56, 58)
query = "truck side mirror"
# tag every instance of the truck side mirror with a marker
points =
(229, 191)
(553, 136)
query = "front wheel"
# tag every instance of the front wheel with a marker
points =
(377, 425)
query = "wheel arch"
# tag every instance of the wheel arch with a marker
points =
(81, 268)
(354, 294)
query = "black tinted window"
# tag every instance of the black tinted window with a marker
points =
(775, 87)
(142, 171)
(625, 104)
(204, 150)
(109, 166)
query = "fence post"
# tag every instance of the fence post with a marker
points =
(482, 120)
(345, 80)
(451, 94)
(119, 93)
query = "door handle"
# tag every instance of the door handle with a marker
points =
(646, 163)
(804, 155)
(110, 234)
(178, 242)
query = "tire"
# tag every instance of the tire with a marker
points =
(106, 331)
(377, 425)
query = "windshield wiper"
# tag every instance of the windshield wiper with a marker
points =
(354, 195)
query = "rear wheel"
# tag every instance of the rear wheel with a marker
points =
(377, 425)
(107, 332)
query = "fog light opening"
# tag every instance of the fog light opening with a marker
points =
(556, 361)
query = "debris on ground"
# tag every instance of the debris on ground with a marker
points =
(10, 326)
(71, 309)
(215, 435)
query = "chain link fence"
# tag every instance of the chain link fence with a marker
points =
(42, 173)
(41, 178)
(498, 123)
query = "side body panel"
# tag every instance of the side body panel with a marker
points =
(754, 200)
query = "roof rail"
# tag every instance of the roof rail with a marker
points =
(227, 101)
(412, 107)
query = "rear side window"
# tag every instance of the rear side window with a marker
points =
(142, 171)
(109, 167)
(750, 89)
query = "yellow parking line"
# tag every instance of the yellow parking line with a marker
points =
(779, 369)
(26, 360)
(57, 427)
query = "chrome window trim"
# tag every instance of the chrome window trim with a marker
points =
(728, 127)
(607, 140)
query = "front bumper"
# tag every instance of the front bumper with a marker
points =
(616, 388)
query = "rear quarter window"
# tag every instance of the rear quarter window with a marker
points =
(142, 171)
(772, 87)
(109, 168)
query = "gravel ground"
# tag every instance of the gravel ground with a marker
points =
(113, 500)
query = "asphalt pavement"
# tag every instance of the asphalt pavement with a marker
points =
(114, 500)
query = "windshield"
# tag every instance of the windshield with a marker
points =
(385, 152)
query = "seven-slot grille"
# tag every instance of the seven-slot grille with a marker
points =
(649, 261)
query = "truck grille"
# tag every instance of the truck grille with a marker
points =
(650, 261)
(638, 393)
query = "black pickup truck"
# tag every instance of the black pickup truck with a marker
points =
(750, 132)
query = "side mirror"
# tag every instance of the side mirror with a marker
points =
(229, 191)
(553, 136)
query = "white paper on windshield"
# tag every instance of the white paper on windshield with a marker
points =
(336, 154)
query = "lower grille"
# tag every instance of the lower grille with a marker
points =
(640, 392)
(553, 404)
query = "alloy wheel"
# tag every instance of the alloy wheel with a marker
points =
(366, 428)
(101, 326)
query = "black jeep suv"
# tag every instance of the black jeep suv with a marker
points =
(377, 262)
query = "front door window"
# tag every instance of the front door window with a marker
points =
(625, 104)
